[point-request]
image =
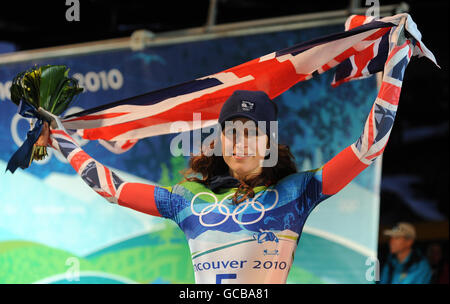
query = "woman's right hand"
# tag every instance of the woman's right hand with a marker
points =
(55, 122)
(44, 138)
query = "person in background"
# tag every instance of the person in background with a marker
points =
(439, 266)
(405, 264)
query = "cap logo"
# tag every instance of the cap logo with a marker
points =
(247, 105)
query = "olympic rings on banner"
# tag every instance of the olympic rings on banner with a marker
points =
(225, 210)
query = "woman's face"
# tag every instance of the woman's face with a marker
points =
(240, 148)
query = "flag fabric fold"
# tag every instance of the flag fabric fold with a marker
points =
(358, 52)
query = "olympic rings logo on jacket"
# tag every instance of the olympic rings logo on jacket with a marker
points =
(225, 210)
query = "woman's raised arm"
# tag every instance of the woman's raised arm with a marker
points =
(150, 199)
(346, 165)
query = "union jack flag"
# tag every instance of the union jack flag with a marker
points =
(359, 51)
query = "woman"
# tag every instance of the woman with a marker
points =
(243, 220)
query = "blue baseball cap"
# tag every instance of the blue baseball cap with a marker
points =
(254, 105)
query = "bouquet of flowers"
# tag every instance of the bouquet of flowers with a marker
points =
(47, 87)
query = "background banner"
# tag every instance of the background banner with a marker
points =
(55, 229)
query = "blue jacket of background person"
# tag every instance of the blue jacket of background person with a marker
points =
(414, 270)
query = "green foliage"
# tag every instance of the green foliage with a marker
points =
(167, 260)
(170, 178)
(48, 87)
(27, 262)
(297, 274)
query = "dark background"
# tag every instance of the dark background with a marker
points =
(415, 179)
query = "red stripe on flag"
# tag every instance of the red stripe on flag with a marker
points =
(325, 67)
(390, 93)
(379, 33)
(103, 193)
(109, 181)
(271, 76)
(370, 133)
(395, 50)
(344, 55)
(362, 59)
(61, 132)
(420, 47)
(128, 144)
(94, 117)
(78, 159)
(375, 154)
(356, 21)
